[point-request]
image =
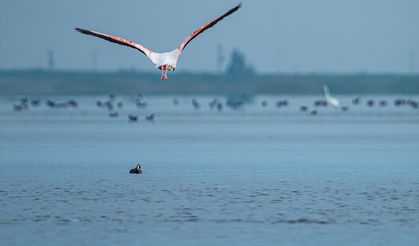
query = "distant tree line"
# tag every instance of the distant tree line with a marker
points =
(129, 82)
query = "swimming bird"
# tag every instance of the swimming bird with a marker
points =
(114, 114)
(141, 104)
(35, 103)
(331, 100)
(319, 103)
(19, 107)
(304, 108)
(281, 103)
(213, 103)
(72, 103)
(150, 117)
(413, 103)
(108, 104)
(356, 100)
(382, 103)
(164, 61)
(195, 104)
(219, 106)
(398, 102)
(264, 103)
(136, 169)
(132, 118)
(51, 104)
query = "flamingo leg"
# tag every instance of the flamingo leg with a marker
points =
(164, 73)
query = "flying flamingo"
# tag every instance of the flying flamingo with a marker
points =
(164, 61)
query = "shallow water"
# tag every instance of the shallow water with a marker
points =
(252, 176)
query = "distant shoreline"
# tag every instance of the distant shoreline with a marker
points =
(44, 82)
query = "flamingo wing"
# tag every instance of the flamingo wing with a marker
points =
(117, 40)
(206, 26)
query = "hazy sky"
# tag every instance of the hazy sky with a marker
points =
(275, 35)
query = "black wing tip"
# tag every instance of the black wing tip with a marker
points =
(84, 31)
(235, 8)
(80, 30)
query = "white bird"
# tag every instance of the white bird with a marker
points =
(164, 61)
(331, 100)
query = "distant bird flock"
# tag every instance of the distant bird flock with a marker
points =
(113, 106)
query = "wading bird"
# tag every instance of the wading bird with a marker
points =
(331, 100)
(164, 61)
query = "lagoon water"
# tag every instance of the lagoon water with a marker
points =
(252, 176)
